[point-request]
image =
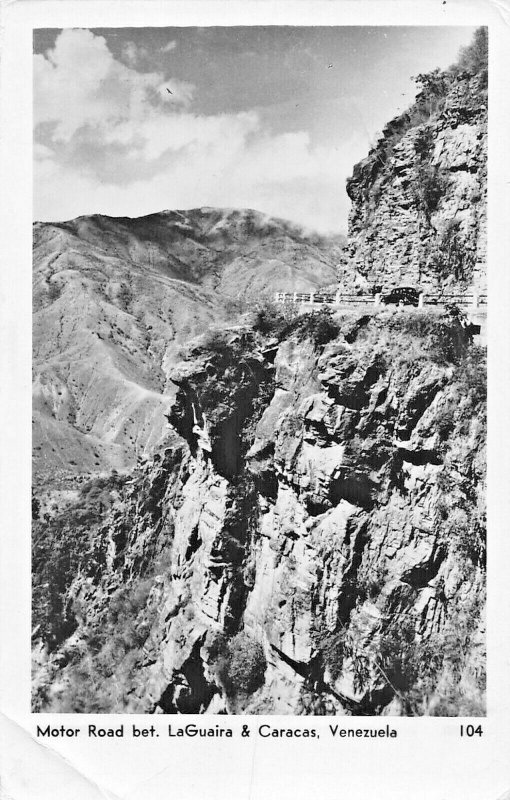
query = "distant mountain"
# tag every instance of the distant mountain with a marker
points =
(115, 298)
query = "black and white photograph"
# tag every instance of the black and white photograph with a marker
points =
(259, 371)
(255, 367)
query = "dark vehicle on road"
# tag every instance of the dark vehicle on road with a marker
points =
(404, 295)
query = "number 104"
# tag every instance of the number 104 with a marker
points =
(470, 730)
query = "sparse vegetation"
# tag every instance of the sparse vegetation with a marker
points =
(431, 183)
(450, 256)
(424, 142)
(437, 336)
(54, 291)
(475, 57)
(471, 376)
(101, 672)
(273, 318)
(433, 90)
(124, 296)
(233, 307)
(216, 341)
(430, 187)
(423, 674)
(61, 549)
(320, 326)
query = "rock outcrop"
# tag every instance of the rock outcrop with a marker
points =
(418, 212)
(329, 560)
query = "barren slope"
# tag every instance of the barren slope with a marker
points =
(114, 298)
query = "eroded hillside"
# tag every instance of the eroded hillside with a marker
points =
(113, 301)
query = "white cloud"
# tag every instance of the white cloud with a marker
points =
(79, 84)
(170, 46)
(112, 140)
(132, 54)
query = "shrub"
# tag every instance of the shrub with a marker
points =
(398, 655)
(431, 185)
(247, 664)
(322, 327)
(235, 306)
(319, 326)
(434, 88)
(217, 648)
(423, 143)
(450, 255)
(215, 341)
(36, 506)
(445, 424)
(461, 524)
(474, 57)
(124, 296)
(54, 291)
(372, 582)
(240, 663)
(274, 318)
(311, 702)
(334, 648)
(332, 651)
(471, 375)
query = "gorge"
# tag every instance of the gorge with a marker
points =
(239, 508)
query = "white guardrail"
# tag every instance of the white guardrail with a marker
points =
(472, 300)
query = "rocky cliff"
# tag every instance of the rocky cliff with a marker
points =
(309, 540)
(418, 213)
(113, 301)
(304, 529)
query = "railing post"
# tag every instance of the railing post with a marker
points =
(311, 297)
(474, 303)
(377, 299)
(337, 298)
(421, 300)
(295, 297)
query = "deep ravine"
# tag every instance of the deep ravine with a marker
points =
(330, 559)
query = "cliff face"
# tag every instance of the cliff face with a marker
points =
(309, 540)
(419, 198)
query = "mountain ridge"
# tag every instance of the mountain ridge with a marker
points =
(124, 294)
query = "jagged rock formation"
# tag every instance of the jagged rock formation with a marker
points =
(306, 533)
(310, 540)
(114, 299)
(418, 212)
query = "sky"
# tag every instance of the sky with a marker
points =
(130, 121)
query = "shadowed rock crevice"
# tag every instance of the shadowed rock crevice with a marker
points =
(189, 692)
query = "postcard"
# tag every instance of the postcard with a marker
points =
(255, 544)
